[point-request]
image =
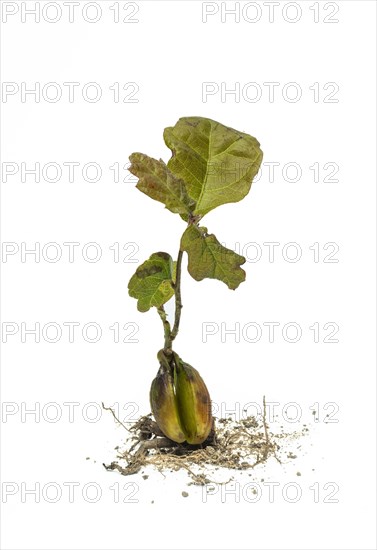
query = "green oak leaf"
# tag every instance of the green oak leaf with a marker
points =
(216, 163)
(208, 258)
(157, 181)
(152, 283)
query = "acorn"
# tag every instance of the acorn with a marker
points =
(180, 401)
(164, 405)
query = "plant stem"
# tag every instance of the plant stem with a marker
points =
(170, 333)
(178, 298)
(167, 330)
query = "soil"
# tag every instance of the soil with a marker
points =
(232, 445)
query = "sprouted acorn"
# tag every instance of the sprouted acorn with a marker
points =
(180, 401)
(199, 177)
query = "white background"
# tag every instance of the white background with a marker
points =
(169, 53)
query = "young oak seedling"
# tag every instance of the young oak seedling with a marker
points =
(211, 165)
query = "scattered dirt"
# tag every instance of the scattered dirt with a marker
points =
(232, 444)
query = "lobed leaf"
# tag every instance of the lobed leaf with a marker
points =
(207, 258)
(152, 283)
(157, 181)
(216, 163)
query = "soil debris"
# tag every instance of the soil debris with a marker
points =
(232, 445)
